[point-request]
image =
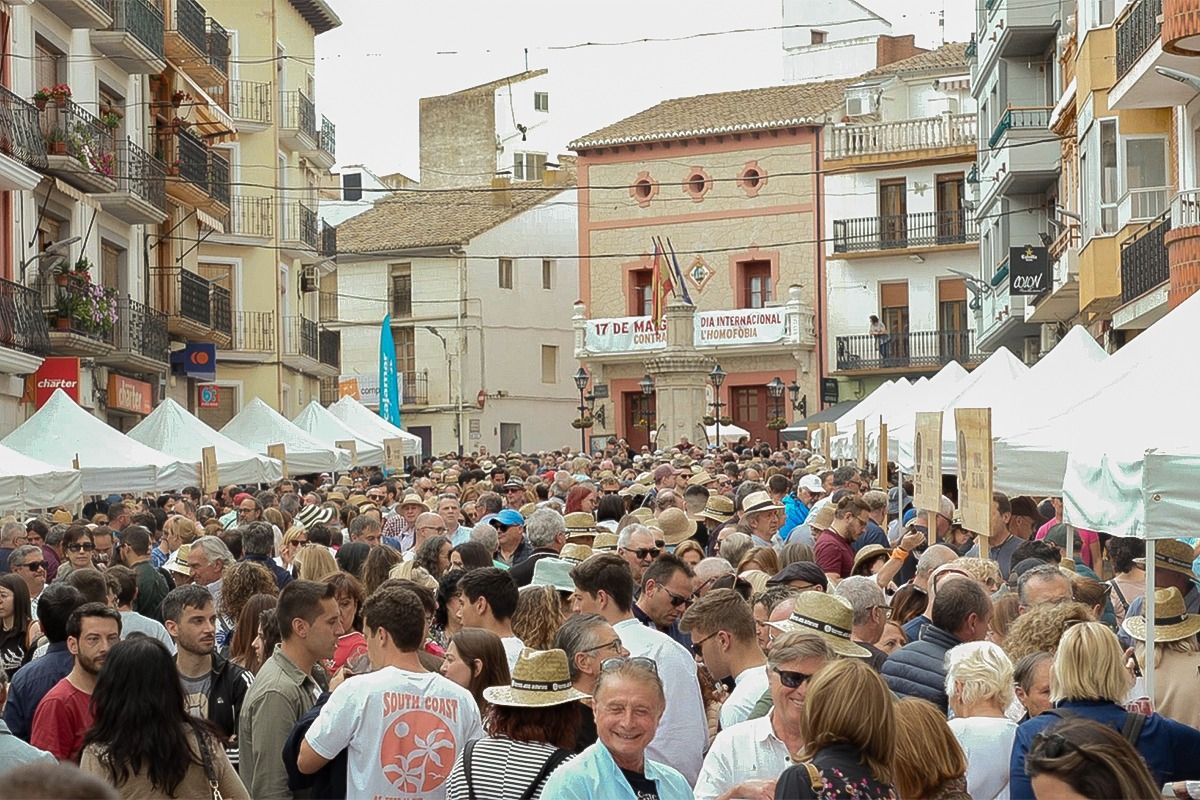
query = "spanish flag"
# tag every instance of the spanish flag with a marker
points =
(661, 285)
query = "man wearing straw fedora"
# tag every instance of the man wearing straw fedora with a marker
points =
(1173, 568)
(389, 715)
(1176, 655)
(507, 763)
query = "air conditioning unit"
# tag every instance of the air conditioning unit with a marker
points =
(1032, 350)
(309, 282)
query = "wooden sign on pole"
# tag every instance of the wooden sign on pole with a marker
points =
(827, 440)
(883, 456)
(210, 482)
(860, 434)
(974, 426)
(279, 451)
(352, 446)
(927, 472)
(393, 453)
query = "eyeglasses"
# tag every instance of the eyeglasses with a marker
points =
(677, 600)
(696, 646)
(887, 611)
(791, 679)
(642, 552)
(609, 664)
(614, 645)
(80, 547)
(34, 566)
(442, 528)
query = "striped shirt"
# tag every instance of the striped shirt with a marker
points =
(501, 769)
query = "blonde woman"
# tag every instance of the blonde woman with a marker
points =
(295, 538)
(538, 617)
(315, 562)
(979, 683)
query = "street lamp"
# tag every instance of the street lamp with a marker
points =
(581, 382)
(717, 377)
(799, 404)
(647, 386)
(775, 390)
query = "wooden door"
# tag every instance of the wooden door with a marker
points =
(749, 409)
(640, 419)
(951, 221)
(893, 213)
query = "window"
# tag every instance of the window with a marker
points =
(352, 186)
(406, 350)
(951, 222)
(401, 290)
(111, 258)
(893, 312)
(642, 189)
(893, 213)
(47, 64)
(747, 402)
(505, 278)
(220, 275)
(529, 166)
(641, 301)
(1146, 176)
(755, 283)
(549, 363)
(819, 37)
(541, 101)
(752, 179)
(548, 273)
(1109, 180)
(954, 339)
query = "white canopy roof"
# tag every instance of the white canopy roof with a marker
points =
(172, 429)
(921, 396)
(257, 426)
(368, 425)
(27, 483)
(109, 460)
(729, 433)
(327, 428)
(869, 410)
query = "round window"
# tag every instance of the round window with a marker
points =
(642, 189)
(751, 177)
(696, 183)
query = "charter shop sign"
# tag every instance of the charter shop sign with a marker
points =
(626, 334)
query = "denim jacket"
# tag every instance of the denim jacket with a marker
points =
(594, 774)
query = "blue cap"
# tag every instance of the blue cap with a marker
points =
(507, 517)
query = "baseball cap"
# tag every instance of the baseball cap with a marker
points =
(507, 517)
(812, 483)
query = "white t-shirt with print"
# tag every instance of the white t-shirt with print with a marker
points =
(404, 731)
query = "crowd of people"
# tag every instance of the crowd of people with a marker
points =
(745, 622)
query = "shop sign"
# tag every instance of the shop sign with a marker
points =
(209, 395)
(56, 372)
(363, 388)
(126, 394)
(1029, 271)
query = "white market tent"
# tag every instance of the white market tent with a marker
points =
(991, 379)
(869, 410)
(327, 428)
(173, 430)
(920, 397)
(27, 483)
(109, 460)
(258, 426)
(368, 425)
(729, 433)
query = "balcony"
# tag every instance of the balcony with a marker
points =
(1181, 27)
(1137, 29)
(298, 230)
(1183, 247)
(218, 52)
(140, 337)
(328, 240)
(887, 141)
(1143, 44)
(196, 43)
(141, 195)
(325, 155)
(329, 349)
(92, 14)
(301, 349)
(192, 312)
(21, 143)
(327, 305)
(1142, 205)
(913, 351)
(218, 183)
(1036, 118)
(254, 336)
(251, 220)
(135, 38)
(250, 105)
(81, 316)
(1060, 303)
(79, 148)
(197, 175)
(1015, 28)
(329, 391)
(922, 231)
(1145, 269)
(221, 309)
(24, 335)
(414, 388)
(297, 122)
(1024, 158)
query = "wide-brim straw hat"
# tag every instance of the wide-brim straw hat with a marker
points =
(1173, 555)
(575, 553)
(676, 526)
(178, 560)
(580, 525)
(868, 553)
(828, 616)
(413, 500)
(634, 490)
(719, 508)
(1172, 622)
(604, 542)
(540, 678)
(643, 513)
(556, 572)
(759, 501)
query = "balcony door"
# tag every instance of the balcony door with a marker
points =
(748, 407)
(954, 339)
(639, 418)
(893, 213)
(950, 219)
(893, 312)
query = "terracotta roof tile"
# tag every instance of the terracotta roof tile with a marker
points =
(950, 56)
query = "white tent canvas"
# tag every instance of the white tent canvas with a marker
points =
(729, 433)
(920, 397)
(886, 394)
(109, 460)
(173, 430)
(370, 426)
(258, 426)
(325, 427)
(27, 483)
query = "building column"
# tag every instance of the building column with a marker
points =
(680, 378)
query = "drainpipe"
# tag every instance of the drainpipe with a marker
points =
(819, 299)
(461, 335)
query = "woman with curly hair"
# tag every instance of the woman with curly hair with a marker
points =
(538, 617)
(434, 555)
(376, 569)
(244, 649)
(242, 581)
(1040, 628)
(445, 619)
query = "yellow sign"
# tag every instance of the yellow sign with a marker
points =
(279, 452)
(350, 445)
(393, 453)
(210, 482)
(927, 458)
(975, 468)
(860, 434)
(883, 457)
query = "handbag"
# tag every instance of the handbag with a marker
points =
(210, 769)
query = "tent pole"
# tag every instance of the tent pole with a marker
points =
(1070, 541)
(1148, 611)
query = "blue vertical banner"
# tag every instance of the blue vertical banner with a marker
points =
(389, 388)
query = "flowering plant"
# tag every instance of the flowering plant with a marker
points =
(104, 163)
(91, 307)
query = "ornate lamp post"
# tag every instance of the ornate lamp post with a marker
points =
(799, 404)
(775, 390)
(716, 378)
(581, 382)
(647, 386)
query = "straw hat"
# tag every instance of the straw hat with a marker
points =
(540, 678)
(336, 496)
(357, 500)
(413, 500)
(676, 526)
(178, 560)
(634, 490)
(528, 509)
(701, 478)
(575, 553)
(311, 515)
(1172, 622)
(551, 571)
(868, 553)
(1173, 555)
(643, 513)
(822, 518)
(345, 481)
(719, 508)
(580, 525)
(604, 542)
(828, 616)
(759, 501)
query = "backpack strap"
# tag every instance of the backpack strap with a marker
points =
(1120, 595)
(1132, 728)
(467, 768)
(557, 757)
(814, 777)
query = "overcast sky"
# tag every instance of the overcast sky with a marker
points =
(409, 50)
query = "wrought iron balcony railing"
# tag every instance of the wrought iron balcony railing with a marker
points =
(898, 231)
(250, 100)
(300, 337)
(22, 321)
(911, 350)
(254, 331)
(298, 112)
(1144, 262)
(142, 19)
(194, 302)
(141, 329)
(1034, 118)
(329, 347)
(1136, 31)
(20, 131)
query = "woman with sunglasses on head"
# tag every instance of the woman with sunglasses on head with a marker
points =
(628, 703)
(1079, 758)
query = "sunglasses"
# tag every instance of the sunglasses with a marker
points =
(81, 547)
(299, 542)
(677, 600)
(34, 566)
(609, 664)
(642, 552)
(792, 680)
(698, 645)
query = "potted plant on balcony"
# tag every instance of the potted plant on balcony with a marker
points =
(82, 269)
(71, 306)
(56, 142)
(99, 309)
(60, 93)
(111, 118)
(41, 97)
